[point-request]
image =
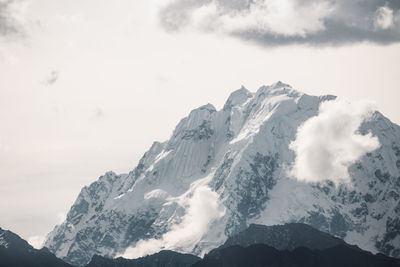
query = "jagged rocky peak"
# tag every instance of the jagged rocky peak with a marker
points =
(202, 112)
(277, 89)
(238, 97)
(199, 120)
(240, 154)
(280, 84)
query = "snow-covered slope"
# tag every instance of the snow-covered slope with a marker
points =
(221, 171)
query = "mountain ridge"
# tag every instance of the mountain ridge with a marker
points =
(264, 255)
(283, 237)
(164, 258)
(16, 252)
(293, 244)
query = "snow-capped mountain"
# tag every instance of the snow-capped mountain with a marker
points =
(221, 171)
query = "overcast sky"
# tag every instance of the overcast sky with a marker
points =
(87, 85)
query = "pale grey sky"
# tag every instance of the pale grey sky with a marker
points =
(87, 85)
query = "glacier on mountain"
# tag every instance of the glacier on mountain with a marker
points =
(238, 158)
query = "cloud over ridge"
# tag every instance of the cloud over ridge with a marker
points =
(327, 144)
(281, 22)
(202, 207)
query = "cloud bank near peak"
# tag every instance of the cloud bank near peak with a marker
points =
(282, 22)
(328, 144)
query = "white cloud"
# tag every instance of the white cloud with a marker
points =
(206, 17)
(202, 209)
(285, 17)
(36, 241)
(384, 18)
(277, 22)
(61, 216)
(279, 17)
(327, 144)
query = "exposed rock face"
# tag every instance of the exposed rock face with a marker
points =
(242, 152)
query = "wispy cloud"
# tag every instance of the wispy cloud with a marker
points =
(384, 18)
(61, 216)
(52, 78)
(280, 22)
(36, 241)
(327, 144)
(202, 208)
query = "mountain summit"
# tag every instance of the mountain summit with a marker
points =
(223, 170)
